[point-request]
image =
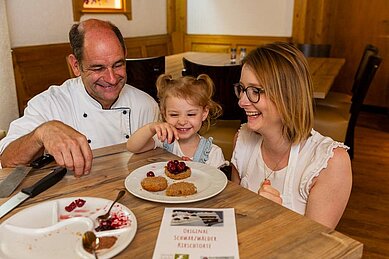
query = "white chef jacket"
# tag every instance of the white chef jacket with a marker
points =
(71, 104)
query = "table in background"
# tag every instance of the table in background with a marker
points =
(323, 70)
(265, 229)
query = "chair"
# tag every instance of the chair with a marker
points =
(223, 77)
(315, 50)
(333, 122)
(142, 73)
(343, 100)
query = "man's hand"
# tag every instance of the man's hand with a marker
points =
(269, 192)
(69, 147)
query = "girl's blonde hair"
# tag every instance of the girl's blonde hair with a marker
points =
(283, 71)
(198, 91)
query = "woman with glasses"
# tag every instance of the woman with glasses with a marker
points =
(277, 153)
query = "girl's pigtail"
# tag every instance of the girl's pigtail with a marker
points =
(162, 81)
(208, 84)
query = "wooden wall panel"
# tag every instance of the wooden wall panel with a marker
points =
(38, 67)
(223, 43)
(350, 30)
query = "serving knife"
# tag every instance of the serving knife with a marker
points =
(43, 184)
(9, 184)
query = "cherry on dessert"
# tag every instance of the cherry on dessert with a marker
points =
(181, 167)
(150, 174)
(171, 167)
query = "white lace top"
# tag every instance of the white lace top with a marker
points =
(293, 181)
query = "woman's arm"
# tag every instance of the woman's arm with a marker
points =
(331, 190)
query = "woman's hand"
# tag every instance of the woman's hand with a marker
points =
(269, 192)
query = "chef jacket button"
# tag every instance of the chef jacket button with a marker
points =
(85, 115)
(127, 136)
(124, 112)
(89, 141)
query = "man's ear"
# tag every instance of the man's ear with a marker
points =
(73, 65)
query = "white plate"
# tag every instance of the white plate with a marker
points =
(47, 230)
(209, 182)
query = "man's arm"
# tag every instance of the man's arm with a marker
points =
(69, 148)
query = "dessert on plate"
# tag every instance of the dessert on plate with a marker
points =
(181, 189)
(177, 170)
(154, 183)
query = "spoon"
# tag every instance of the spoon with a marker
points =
(107, 215)
(90, 242)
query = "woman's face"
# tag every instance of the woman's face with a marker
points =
(262, 117)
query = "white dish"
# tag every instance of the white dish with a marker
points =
(47, 230)
(209, 181)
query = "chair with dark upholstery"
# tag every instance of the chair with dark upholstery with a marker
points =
(315, 50)
(224, 77)
(333, 122)
(343, 100)
(142, 73)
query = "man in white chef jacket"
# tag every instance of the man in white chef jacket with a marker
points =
(94, 110)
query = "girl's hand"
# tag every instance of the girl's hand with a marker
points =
(165, 131)
(269, 192)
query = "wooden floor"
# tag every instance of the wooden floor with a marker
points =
(366, 218)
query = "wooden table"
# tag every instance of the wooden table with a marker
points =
(265, 229)
(323, 70)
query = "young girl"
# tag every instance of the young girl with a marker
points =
(186, 106)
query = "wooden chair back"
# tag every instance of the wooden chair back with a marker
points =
(368, 51)
(361, 88)
(142, 73)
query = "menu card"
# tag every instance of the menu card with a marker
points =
(196, 233)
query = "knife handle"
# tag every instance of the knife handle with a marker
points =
(42, 161)
(46, 182)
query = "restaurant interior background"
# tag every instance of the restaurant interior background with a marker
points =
(36, 32)
(34, 44)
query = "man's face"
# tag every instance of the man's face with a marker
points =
(103, 68)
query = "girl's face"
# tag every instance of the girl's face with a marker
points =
(184, 116)
(262, 117)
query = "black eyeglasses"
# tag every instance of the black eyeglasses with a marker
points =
(253, 92)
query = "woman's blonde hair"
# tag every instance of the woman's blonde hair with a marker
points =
(198, 91)
(283, 71)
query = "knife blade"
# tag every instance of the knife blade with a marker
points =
(43, 184)
(12, 181)
(9, 184)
